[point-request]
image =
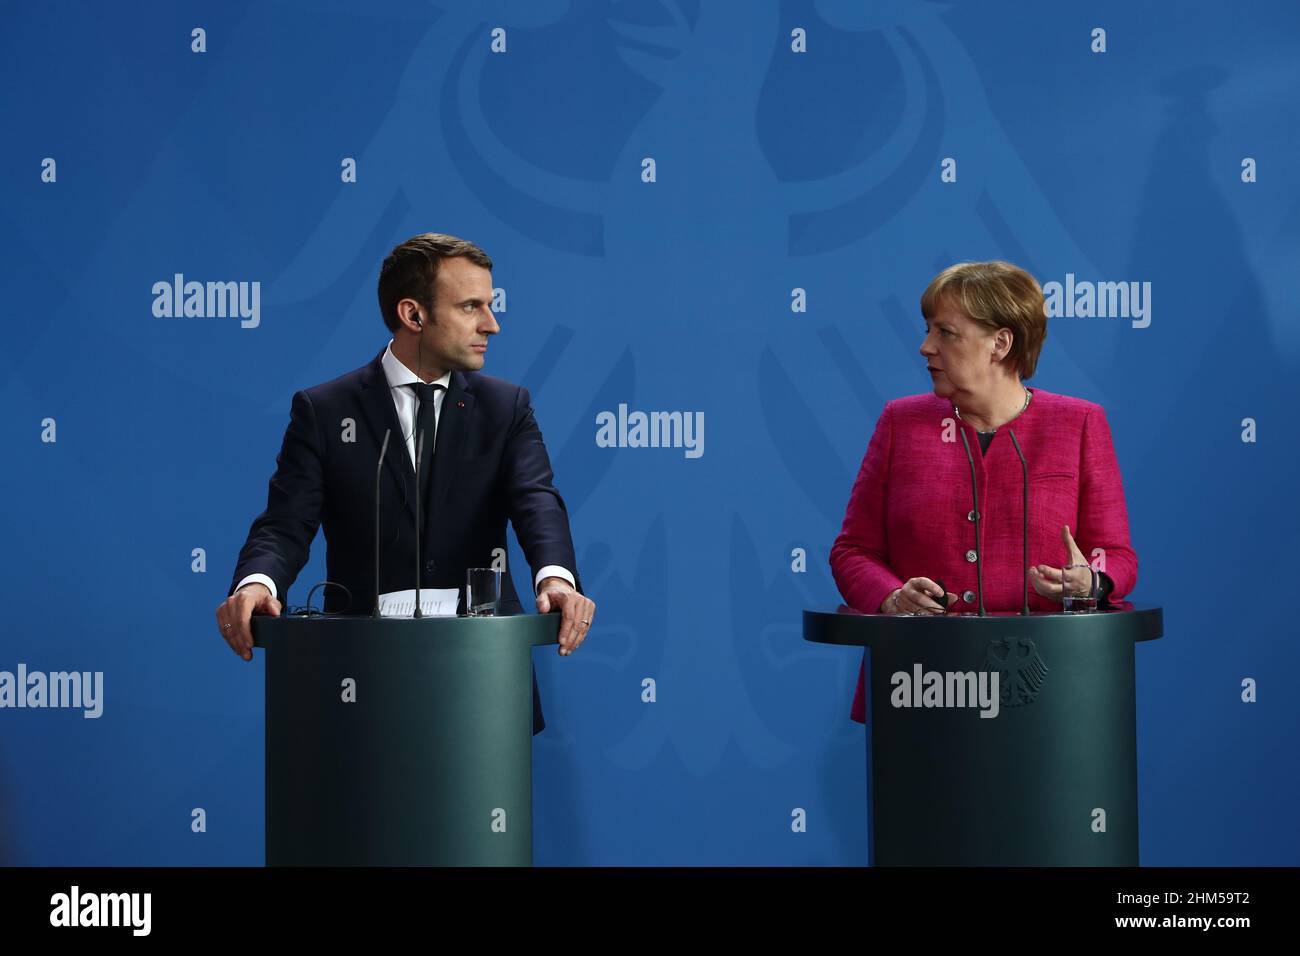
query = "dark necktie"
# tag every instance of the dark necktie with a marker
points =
(426, 425)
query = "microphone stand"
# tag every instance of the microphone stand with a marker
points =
(379, 469)
(1024, 560)
(979, 551)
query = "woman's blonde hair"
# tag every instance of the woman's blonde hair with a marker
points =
(995, 295)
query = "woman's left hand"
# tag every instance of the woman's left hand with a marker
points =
(1046, 579)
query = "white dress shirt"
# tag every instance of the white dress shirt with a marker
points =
(399, 379)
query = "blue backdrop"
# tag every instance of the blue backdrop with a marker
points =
(139, 446)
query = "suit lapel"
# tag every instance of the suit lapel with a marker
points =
(381, 414)
(453, 423)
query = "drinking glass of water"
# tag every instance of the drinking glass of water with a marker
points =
(482, 592)
(1079, 589)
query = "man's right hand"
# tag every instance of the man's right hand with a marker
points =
(235, 612)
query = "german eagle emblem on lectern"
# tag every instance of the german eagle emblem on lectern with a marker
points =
(1020, 667)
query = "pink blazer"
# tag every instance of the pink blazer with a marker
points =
(909, 511)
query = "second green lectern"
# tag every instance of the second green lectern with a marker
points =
(1003, 740)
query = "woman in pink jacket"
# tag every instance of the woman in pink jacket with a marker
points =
(910, 521)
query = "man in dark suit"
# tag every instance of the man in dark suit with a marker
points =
(482, 461)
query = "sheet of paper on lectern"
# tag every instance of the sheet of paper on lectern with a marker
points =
(434, 602)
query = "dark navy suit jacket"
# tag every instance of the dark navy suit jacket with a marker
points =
(489, 466)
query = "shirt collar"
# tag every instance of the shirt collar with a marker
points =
(399, 375)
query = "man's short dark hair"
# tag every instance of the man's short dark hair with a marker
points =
(411, 270)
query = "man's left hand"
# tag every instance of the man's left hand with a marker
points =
(577, 612)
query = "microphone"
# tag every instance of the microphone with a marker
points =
(379, 469)
(419, 447)
(1024, 560)
(979, 550)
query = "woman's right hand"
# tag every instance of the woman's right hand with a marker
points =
(916, 596)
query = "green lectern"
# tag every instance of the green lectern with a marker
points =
(400, 742)
(1003, 740)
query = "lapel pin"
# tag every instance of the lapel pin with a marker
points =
(460, 404)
